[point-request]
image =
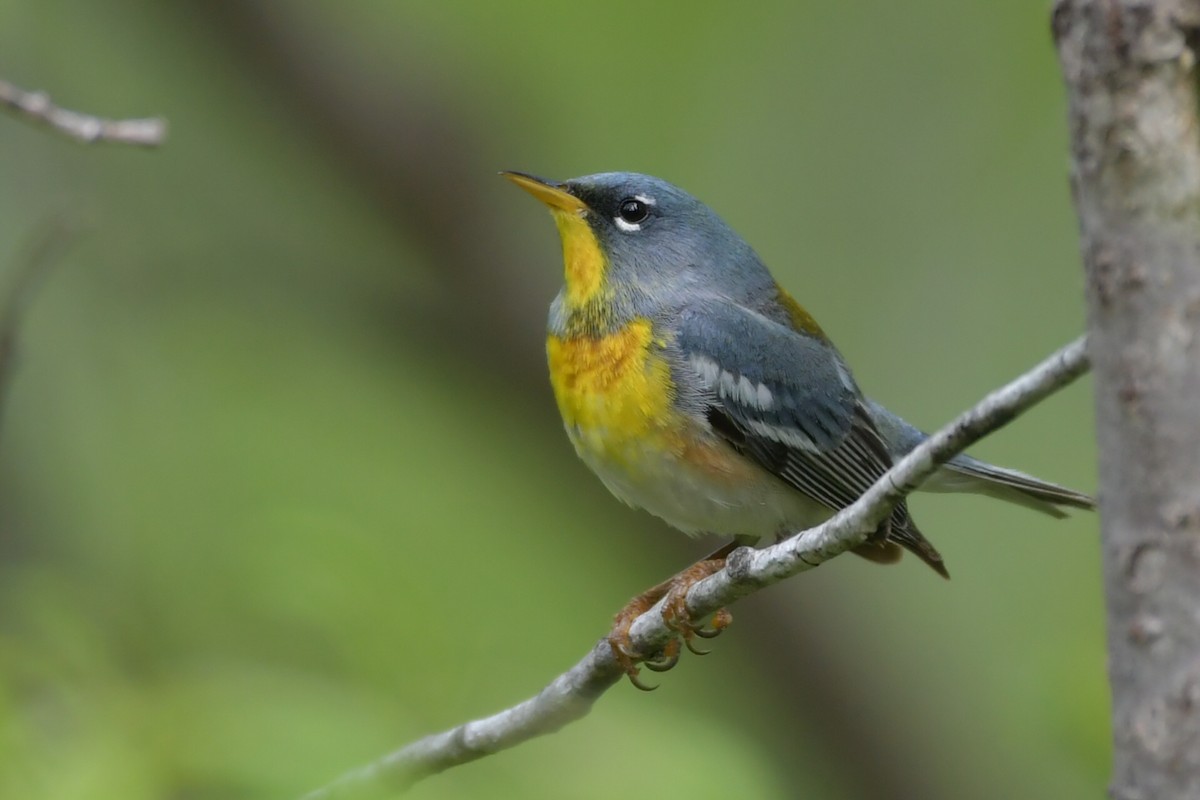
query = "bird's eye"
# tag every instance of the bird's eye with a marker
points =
(633, 210)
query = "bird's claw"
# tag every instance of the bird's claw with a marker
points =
(717, 625)
(623, 651)
(689, 633)
(675, 611)
(676, 617)
(627, 660)
(667, 658)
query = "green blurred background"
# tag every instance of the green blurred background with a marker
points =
(282, 485)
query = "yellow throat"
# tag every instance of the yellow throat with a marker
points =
(584, 263)
(612, 385)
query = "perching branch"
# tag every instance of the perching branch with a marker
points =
(570, 696)
(37, 106)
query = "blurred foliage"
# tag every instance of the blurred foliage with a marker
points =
(281, 483)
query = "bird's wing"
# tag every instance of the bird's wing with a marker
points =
(785, 399)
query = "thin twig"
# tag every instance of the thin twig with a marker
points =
(37, 106)
(570, 696)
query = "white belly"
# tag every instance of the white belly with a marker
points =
(720, 493)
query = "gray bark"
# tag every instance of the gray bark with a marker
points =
(1130, 70)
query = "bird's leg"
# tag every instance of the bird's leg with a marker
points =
(675, 614)
(675, 611)
(622, 647)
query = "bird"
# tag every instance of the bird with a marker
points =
(697, 388)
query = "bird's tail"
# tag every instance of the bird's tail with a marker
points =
(887, 550)
(967, 474)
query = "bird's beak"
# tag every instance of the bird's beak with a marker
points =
(554, 195)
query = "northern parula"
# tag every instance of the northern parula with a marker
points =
(696, 388)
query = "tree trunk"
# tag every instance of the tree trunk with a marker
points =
(1130, 71)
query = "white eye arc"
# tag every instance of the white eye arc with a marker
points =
(632, 212)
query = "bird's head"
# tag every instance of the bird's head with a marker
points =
(625, 231)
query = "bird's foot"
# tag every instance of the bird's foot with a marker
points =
(675, 610)
(674, 592)
(622, 647)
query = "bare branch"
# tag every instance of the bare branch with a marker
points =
(37, 106)
(570, 696)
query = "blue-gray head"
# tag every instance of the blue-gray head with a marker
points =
(626, 231)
